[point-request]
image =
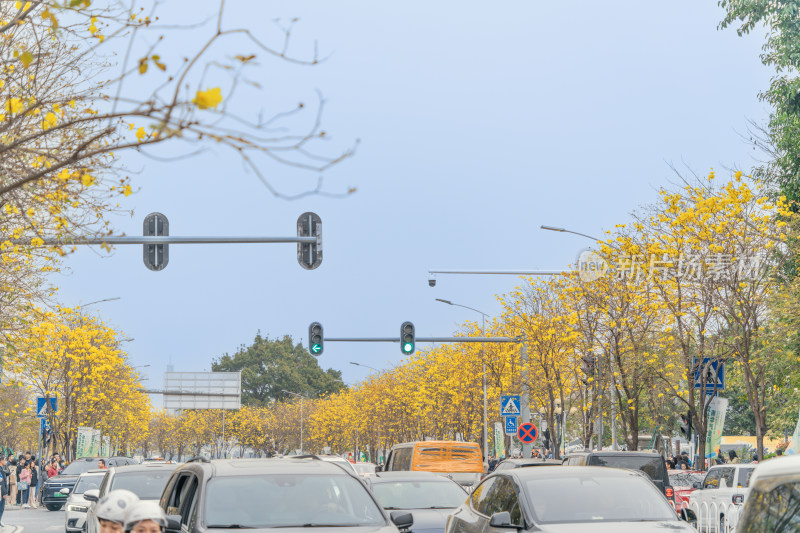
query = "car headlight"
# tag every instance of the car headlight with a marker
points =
(77, 508)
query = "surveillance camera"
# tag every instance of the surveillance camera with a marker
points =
(432, 280)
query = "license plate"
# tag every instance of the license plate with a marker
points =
(59, 495)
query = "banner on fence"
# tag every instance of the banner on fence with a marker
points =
(794, 447)
(716, 422)
(83, 446)
(105, 447)
(499, 440)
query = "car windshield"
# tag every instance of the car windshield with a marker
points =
(364, 468)
(588, 498)
(87, 482)
(79, 467)
(652, 466)
(294, 501)
(146, 485)
(685, 479)
(419, 494)
(777, 509)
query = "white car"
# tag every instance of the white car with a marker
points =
(773, 502)
(717, 501)
(77, 506)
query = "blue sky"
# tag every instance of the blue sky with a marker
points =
(478, 123)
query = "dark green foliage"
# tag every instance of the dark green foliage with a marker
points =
(271, 366)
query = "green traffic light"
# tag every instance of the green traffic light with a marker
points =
(408, 347)
(316, 348)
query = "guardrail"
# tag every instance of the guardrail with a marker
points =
(714, 517)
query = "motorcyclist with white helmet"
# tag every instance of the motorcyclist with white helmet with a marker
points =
(145, 517)
(113, 508)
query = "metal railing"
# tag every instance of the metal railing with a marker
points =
(714, 517)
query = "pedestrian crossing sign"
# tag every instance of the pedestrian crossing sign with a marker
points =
(509, 406)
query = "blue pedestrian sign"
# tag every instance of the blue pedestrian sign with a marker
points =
(509, 406)
(511, 425)
(713, 370)
(41, 407)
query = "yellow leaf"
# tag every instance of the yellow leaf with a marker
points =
(26, 58)
(140, 134)
(208, 98)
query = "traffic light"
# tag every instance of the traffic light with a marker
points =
(686, 425)
(156, 256)
(407, 338)
(546, 435)
(315, 338)
(309, 255)
(588, 367)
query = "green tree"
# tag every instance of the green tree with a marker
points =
(270, 367)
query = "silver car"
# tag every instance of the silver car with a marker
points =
(77, 506)
(146, 480)
(561, 499)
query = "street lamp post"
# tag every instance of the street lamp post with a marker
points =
(610, 360)
(483, 360)
(365, 366)
(301, 417)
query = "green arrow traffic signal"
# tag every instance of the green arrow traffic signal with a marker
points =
(315, 338)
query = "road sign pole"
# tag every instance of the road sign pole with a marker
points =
(526, 402)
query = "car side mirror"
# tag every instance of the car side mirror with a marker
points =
(91, 495)
(402, 520)
(173, 523)
(502, 520)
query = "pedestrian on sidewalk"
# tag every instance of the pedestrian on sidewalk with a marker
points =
(11, 480)
(34, 483)
(24, 484)
(3, 486)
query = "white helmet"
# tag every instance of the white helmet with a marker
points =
(115, 505)
(145, 510)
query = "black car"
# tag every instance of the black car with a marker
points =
(53, 494)
(273, 495)
(650, 463)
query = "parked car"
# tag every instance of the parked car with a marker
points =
(271, 495)
(430, 498)
(146, 480)
(773, 501)
(507, 464)
(460, 461)
(76, 505)
(53, 496)
(683, 484)
(719, 495)
(650, 463)
(566, 499)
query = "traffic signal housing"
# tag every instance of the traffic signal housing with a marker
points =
(315, 338)
(407, 338)
(588, 364)
(685, 423)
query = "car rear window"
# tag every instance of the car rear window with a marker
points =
(146, 485)
(652, 466)
(79, 467)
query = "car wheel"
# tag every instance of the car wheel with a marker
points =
(54, 507)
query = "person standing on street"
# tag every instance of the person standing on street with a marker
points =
(24, 485)
(3, 486)
(34, 483)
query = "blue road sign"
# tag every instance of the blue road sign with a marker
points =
(714, 370)
(511, 425)
(42, 411)
(510, 406)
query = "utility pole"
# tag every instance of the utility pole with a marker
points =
(526, 400)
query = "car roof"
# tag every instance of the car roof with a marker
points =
(617, 452)
(531, 461)
(143, 468)
(409, 476)
(569, 471)
(777, 466)
(287, 465)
